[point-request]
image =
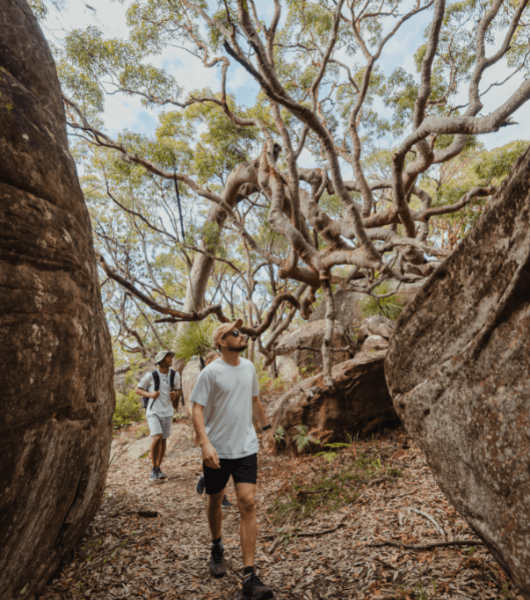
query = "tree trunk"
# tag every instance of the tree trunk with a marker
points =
(56, 362)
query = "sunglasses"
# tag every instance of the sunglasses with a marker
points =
(235, 333)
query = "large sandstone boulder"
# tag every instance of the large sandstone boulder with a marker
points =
(189, 376)
(458, 367)
(56, 362)
(304, 344)
(357, 403)
(347, 309)
(287, 369)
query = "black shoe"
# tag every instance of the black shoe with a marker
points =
(154, 474)
(160, 474)
(255, 589)
(217, 564)
(199, 488)
(226, 502)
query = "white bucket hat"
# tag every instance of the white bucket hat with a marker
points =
(161, 355)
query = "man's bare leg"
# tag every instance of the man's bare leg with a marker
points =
(161, 452)
(155, 449)
(217, 564)
(246, 502)
(253, 587)
(215, 514)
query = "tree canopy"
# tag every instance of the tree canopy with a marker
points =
(338, 173)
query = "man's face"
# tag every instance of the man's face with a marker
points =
(168, 360)
(235, 341)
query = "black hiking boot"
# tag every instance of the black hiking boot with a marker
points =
(217, 564)
(226, 502)
(255, 589)
(160, 474)
(154, 474)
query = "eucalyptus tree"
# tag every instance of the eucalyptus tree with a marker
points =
(324, 100)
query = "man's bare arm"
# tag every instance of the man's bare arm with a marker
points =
(259, 413)
(209, 455)
(175, 398)
(146, 394)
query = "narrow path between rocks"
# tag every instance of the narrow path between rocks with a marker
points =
(150, 540)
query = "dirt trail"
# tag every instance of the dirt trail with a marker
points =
(327, 554)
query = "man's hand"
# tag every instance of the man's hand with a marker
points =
(154, 394)
(268, 442)
(209, 456)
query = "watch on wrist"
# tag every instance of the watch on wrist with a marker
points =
(269, 426)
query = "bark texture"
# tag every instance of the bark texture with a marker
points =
(458, 368)
(56, 362)
(358, 402)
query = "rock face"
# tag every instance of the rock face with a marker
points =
(56, 362)
(304, 343)
(287, 369)
(359, 401)
(458, 367)
(189, 378)
(376, 326)
(347, 309)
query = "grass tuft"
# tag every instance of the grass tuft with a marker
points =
(389, 307)
(195, 340)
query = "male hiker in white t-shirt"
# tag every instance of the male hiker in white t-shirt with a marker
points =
(224, 400)
(160, 405)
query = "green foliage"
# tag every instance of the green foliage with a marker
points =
(389, 307)
(39, 8)
(128, 410)
(331, 451)
(302, 439)
(494, 165)
(279, 435)
(195, 340)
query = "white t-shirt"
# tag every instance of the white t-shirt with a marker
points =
(226, 394)
(162, 406)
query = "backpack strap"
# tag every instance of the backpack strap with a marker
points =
(171, 379)
(156, 378)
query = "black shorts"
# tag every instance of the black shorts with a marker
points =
(243, 470)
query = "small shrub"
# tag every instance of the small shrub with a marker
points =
(268, 384)
(302, 439)
(389, 307)
(279, 435)
(128, 410)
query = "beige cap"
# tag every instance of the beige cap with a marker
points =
(162, 354)
(223, 330)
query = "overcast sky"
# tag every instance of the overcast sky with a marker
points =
(127, 113)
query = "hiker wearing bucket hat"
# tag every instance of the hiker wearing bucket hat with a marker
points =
(224, 400)
(160, 391)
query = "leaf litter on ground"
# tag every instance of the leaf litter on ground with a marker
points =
(367, 524)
